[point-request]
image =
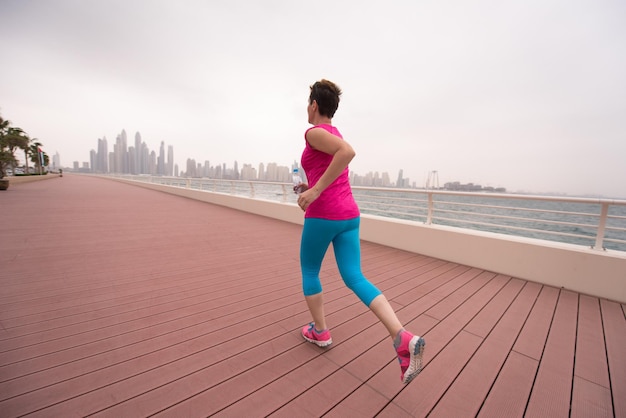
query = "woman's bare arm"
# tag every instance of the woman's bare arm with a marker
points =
(322, 140)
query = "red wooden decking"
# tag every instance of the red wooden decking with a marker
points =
(124, 302)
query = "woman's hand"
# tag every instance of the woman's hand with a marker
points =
(300, 188)
(308, 197)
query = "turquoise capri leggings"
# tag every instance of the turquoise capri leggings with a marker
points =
(317, 235)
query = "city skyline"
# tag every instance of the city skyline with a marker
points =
(126, 159)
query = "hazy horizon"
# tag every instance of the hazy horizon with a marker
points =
(393, 175)
(529, 96)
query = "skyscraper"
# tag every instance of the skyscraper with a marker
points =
(170, 161)
(56, 161)
(138, 154)
(102, 158)
(400, 181)
(161, 160)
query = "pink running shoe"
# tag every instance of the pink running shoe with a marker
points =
(410, 352)
(321, 339)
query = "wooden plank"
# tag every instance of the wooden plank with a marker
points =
(233, 377)
(413, 397)
(211, 388)
(271, 396)
(532, 339)
(187, 299)
(407, 296)
(460, 295)
(58, 338)
(263, 389)
(423, 393)
(484, 321)
(385, 381)
(590, 362)
(433, 292)
(85, 394)
(360, 367)
(444, 332)
(615, 336)
(138, 355)
(195, 280)
(509, 395)
(185, 325)
(316, 401)
(468, 392)
(366, 405)
(512, 388)
(339, 359)
(551, 394)
(110, 353)
(590, 400)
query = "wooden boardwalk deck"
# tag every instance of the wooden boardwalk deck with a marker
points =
(124, 302)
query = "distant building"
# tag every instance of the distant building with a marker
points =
(471, 187)
(56, 162)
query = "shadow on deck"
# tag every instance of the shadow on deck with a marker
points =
(120, 301)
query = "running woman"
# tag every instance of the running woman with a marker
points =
(332, 215)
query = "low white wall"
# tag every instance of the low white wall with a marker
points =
(593, 272)
(283, 211)
(584, 270)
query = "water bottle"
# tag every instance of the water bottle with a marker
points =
(297, 180)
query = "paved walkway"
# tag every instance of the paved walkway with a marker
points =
(120, 301)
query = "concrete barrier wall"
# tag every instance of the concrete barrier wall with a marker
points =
(584, 270)
(17, 180)
(588, 271)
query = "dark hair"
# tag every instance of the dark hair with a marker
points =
(326, 94)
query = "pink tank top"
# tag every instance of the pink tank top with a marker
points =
(336, 201)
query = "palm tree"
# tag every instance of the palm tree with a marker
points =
(4, 125)
(37, 156)
(16, 138)
(46, 159)
(34, 154)
(10, 139)
(27, 153)
(6, 158)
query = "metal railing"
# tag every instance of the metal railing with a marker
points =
(595, 223)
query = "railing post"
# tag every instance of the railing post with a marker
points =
(429, 216)
(187, 183)
(604, 212)
(252, 190)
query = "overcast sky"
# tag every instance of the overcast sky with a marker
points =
(529, 95)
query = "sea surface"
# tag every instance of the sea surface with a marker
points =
(570, 222)
(561, 221)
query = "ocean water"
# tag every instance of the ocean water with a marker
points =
(561, 221)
